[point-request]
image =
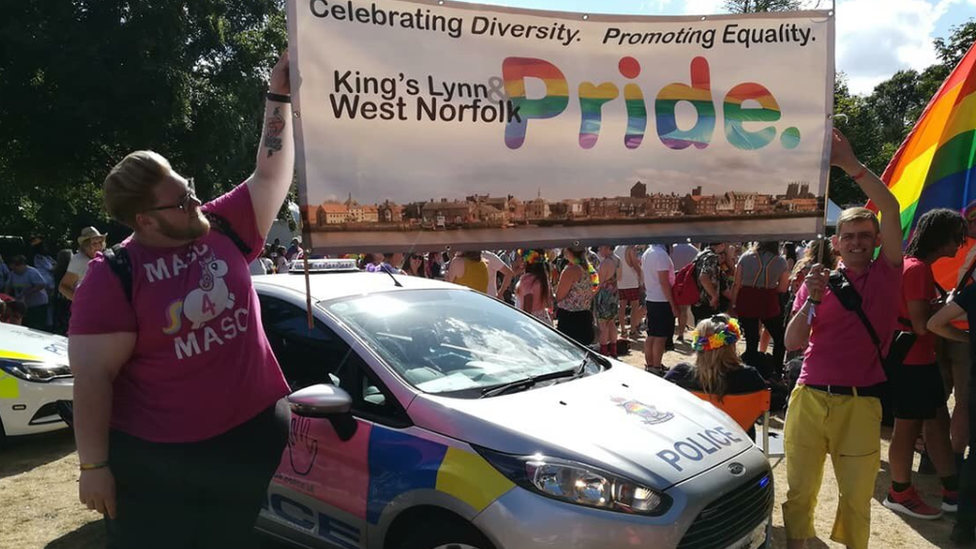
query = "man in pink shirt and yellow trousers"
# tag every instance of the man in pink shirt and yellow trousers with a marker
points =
(835, 408)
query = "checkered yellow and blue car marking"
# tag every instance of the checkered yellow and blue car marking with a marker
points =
(9, 386)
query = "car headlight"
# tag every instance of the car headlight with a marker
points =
(30, 370)
(578, 483)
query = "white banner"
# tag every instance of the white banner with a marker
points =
(423, 125)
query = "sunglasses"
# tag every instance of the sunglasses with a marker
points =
(184, 204)
(416, 257)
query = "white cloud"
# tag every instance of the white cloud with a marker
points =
(876, 38)
(704, 7)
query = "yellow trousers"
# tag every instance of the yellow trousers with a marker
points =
(848, 428)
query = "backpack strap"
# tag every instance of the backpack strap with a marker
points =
(118, 260)
(845, 291)
(218, 222)
(118, 257)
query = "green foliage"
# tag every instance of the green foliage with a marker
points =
(88, 81)
(961, 38)
(759, 6)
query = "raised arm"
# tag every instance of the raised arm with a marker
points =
(272, 177)
(842, 156)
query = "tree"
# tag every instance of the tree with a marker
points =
(861, 127)
(897, 102)
(961, 38)
(86, 82)
(759, 6)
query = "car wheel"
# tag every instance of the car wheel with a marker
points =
(446, 535)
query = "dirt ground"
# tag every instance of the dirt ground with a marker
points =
(39, 505)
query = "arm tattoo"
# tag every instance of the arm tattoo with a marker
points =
(273, 127)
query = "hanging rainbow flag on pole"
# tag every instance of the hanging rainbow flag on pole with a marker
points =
(934, 167)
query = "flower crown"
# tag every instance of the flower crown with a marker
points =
(727, 336)
(531, 257)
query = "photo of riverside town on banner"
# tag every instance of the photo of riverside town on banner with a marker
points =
(423, 125)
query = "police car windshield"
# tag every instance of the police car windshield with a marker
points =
(455, 342)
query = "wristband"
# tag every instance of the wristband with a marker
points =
(860, 174)
(278, 97)
(93, 466)
(813, 301)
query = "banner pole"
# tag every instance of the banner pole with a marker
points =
(308, 290)
(826, 206)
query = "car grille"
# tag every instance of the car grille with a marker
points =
(731, 517)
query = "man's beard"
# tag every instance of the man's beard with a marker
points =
(198, 226)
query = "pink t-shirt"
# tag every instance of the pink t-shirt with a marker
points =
(841, 351)
(202, 364)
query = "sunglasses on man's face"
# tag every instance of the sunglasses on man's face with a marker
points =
(184, 204)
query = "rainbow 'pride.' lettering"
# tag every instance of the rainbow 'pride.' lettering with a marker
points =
(593, 97)
(736, 116)
(699, 94)
(514, 72)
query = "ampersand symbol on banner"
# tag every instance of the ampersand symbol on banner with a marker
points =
(497, 89)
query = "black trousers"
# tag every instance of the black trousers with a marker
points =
(777, 331)
(203, 494)
(576, 324)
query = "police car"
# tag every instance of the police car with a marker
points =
(34, 376)
(430, 416)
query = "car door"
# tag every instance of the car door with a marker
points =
(320, 489)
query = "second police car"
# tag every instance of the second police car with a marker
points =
(34, 376)
(432, 416)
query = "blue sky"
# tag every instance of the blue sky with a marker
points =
(875, 38)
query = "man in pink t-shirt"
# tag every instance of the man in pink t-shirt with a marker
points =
(179, 417)
(835, 408)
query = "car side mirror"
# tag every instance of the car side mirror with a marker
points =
(320, 401)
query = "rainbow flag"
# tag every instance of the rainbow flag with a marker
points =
(936, 165)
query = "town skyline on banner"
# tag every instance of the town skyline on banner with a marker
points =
(875, 38)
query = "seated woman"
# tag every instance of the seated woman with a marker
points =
(718, 370)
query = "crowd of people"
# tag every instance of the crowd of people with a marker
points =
(848, 332)
(36, 289)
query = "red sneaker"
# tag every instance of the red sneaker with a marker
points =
(950, 501)
(911, 504)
